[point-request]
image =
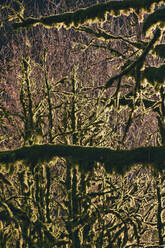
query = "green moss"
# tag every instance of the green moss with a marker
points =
(119, 161)
(138, 62)
(28, 22)
(155, 76)
(90, 14)
(160, 50)
(148, 103)
(154, 18)
(126, 102)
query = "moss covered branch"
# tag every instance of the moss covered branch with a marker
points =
(140, 59)
(119, 161)
(158, 17)
(86, 15)
(107, 36)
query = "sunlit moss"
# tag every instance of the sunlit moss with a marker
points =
(126, 11)
(154, 75)
(156, 17)
(97, 12)
(139, 62)
(160, 50)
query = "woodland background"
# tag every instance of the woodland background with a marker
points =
(59, 86)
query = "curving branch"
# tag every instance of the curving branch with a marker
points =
(156, 17)
(86, 15)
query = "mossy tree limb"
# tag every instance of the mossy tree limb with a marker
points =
(119, 161)
(101, 34)
(140, 60)
(89, 14)
(157, 17)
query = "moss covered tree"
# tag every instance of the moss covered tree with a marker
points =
(85, 217)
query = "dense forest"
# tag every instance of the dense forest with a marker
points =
(82, 124)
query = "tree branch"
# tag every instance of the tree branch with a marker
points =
(135, 63)
(118, 161)
(86, 15)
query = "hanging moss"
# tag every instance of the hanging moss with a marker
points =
(160, 50)
(149, 103)
(157, 17)
(155, 76)
(128, 101)
(89, 14)
(119, 161)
